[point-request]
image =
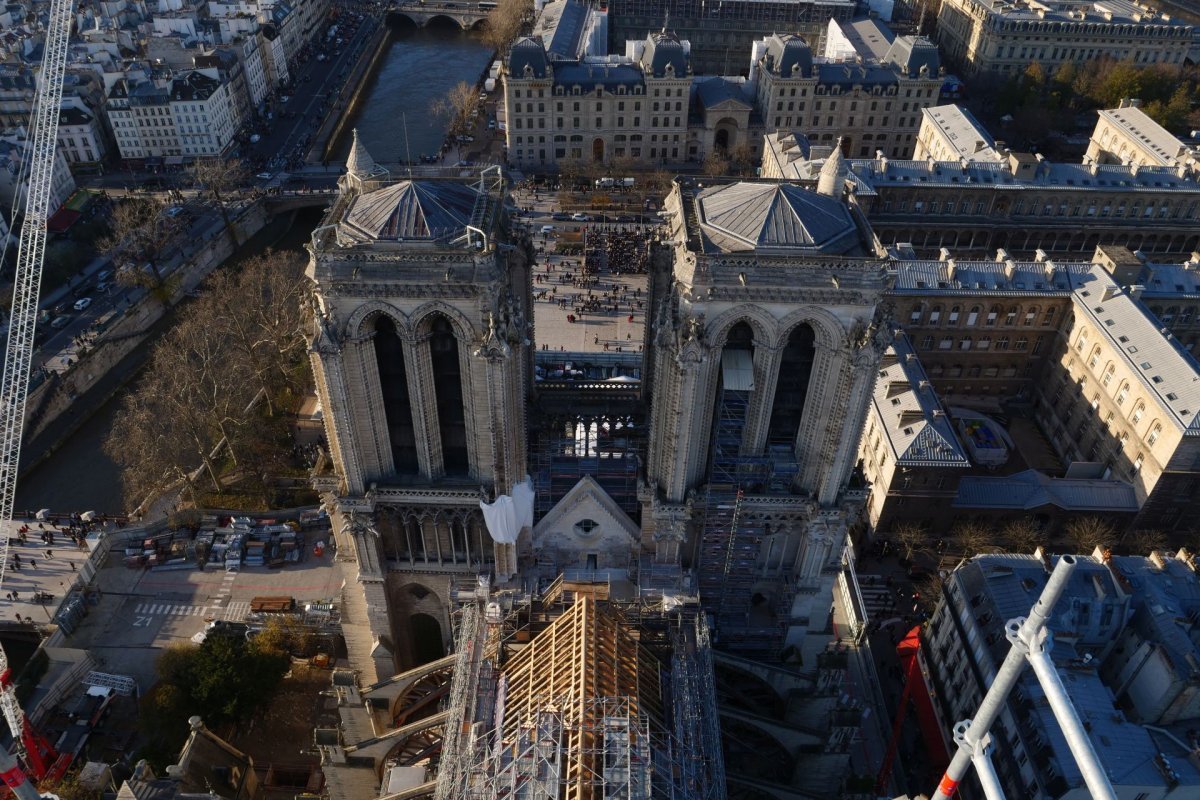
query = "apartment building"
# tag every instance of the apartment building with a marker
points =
(1127, 135)
(81, 137)
(1000, 38)
(1109, 606)
(180, 118)
(14, 174)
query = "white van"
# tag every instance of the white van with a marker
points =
(547, 230)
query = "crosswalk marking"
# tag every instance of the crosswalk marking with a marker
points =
(236, 612)
(171, 610)
(877, 596)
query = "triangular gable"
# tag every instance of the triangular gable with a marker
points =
(586, 490)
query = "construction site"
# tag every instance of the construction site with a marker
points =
(583, 692)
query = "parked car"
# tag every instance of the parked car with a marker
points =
(60, 322)
(265, 176)
(103, 274)
(580, 217)
(82, 303)
(561, 216)
(102, 287)
(175, 211)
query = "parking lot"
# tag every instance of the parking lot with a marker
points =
(142, 611)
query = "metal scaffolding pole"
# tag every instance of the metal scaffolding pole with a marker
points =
(1028, 636)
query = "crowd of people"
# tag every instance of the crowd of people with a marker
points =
(617, 249)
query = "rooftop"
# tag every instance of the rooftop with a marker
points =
(916, 427)
(1165, 369)
(411, 210)
(561, 26)
(957, 124)
(1028, 490)
(746, 216)
(1150, 137)
(1121, 12)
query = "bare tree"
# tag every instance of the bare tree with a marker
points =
(141, 234)
(716, 165)
(219, 178)
(974, 538)
(456, 106)
(1022, 535)
(266, 333)
(505, 22)
(912, 539)
(1088, 533)
(742, 160)
(931, 585)
(1145, 542)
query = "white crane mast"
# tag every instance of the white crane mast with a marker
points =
(14, 385)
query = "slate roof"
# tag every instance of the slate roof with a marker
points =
(714, 91)
(749, 216)
(411, 210)
(663, 49)
(527, 52)
(911, 53)
(1031, 489)
(785, 52)
(1165, 369)
(561, 25)
(915, 426)
(589, 76)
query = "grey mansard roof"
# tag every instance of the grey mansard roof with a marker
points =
(527, 51)
(911, 53)
(749, 216)
(664, 49)
(785, 51)
(411, 210)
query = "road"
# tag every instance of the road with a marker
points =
(55, 347)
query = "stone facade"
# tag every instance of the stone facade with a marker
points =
(1002, 38)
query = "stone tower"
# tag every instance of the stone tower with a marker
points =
(420, 352)
(766, 347)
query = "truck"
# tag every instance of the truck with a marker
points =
(494, 71)
(627, 182)
(489, 85)
(605, 183)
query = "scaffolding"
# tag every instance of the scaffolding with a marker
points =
(730, 541)
(607, 448)
(592, 700)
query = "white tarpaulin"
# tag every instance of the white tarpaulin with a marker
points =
(509, 514)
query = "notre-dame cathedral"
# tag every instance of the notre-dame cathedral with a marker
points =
(724, 471)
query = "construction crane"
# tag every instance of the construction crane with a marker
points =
(18, 355)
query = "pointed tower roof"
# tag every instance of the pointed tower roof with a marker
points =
(359, 163)
(833, 173)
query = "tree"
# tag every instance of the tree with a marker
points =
(742, 160)
(1022, 535)
(141, 234)
(219, 178)
(456, 106)
(716, 165)
(266, 334)
(912, 539)
(1088, 533)
(1145, 542)
(973, 538)
(504, 23)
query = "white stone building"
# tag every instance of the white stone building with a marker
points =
(14, 185)
(1002, 37)
(187, 116)
(81, 138)
(951, 133)
(1127, 135)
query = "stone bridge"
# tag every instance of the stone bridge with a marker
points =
(291, 201)
(466, 15)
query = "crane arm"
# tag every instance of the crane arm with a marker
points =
(14, 383)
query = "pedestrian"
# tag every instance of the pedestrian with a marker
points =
(32, 564)
(72, 563)
(49, 554)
